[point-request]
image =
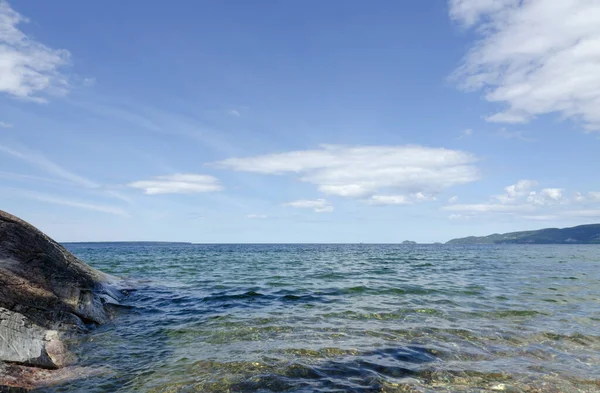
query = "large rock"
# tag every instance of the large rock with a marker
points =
(45, 292)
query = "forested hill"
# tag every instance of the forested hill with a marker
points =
(582, 234)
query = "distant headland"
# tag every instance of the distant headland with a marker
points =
(582, 234)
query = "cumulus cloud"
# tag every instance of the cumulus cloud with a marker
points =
(515, 191)
(536, 57)
(317, 205)
(183, 183)
(28, 69)
(547, 196)
(365, 171)
(522, 199)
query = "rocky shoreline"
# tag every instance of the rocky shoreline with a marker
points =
(46, 294)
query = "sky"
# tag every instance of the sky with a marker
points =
(309, 121)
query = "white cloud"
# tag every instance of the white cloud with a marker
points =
(547, 196)
(56, 200)
(470, 12)
(540, 217)
(27, 67)
(579, 197)
(536, 56)
(365, 171)
(594, 196)
(522, 200)
(256, 216)
(515, 191)
(489, 208)
(453, 199)
(389, 200)
(233, 112)
(590, 197)
(419, 196)
(5, 125)
(185, 183)
(466, 133)
(317, 205)
(400, 199)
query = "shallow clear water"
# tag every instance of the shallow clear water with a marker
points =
(347, 318)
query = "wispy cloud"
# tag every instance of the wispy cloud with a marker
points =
(595, 196)
(490, 207)
(196, 216)
(537, 57)
(48, 166)
(29, 178)
(317, 205)
(29, 68)
(5, 125)
(234, 112)
(506, 134)
(365, 171)
(589, 213)
(144, 118)
(57, 200)
(256, 216)
(41, 162)
(466, 133)
(183, 183)
(88, 82)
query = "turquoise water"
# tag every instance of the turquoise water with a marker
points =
(347, 318)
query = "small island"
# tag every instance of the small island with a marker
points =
(409, 242)
(582, 234)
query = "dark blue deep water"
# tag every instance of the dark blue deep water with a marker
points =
(347, 318)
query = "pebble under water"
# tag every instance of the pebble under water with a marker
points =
(346, 318)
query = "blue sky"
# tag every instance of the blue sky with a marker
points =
(275, 121)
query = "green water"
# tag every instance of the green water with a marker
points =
(347, 318)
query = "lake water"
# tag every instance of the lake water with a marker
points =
(347, 318)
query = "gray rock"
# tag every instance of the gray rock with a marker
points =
(45, 293)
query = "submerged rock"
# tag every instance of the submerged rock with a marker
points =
(45, 292)
(16, 379)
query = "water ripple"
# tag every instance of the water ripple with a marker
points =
(347, 318)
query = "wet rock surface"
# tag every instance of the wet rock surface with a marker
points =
(46, 293)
